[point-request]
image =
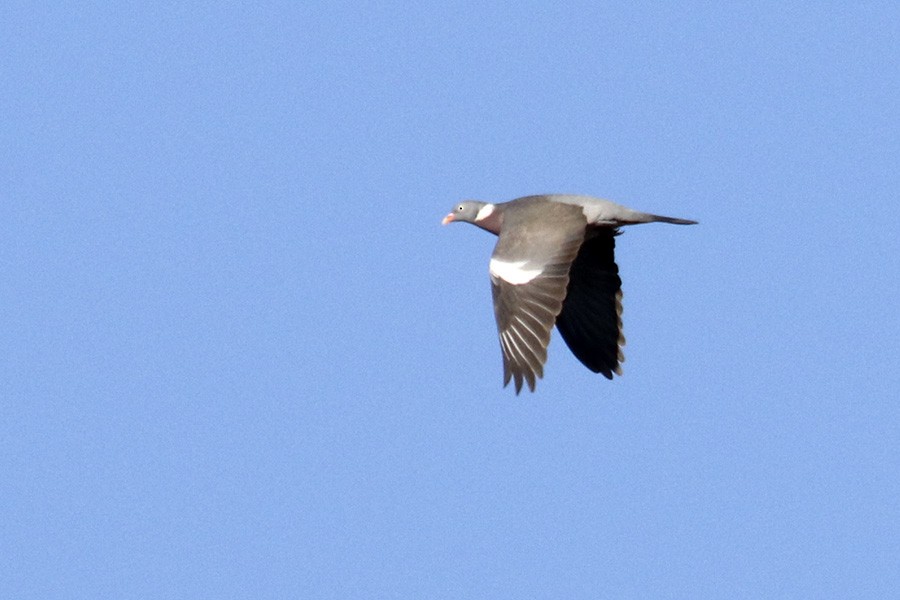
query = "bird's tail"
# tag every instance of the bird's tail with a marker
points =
(672, 220)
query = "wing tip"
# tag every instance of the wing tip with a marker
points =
(521, 380)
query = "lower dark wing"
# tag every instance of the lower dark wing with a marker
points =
(591, 317)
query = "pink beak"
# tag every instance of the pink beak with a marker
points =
(448, 219)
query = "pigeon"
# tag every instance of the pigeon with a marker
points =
(554, 263)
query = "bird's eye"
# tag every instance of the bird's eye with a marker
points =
(459, 208)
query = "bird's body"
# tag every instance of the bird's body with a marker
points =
(554, 263)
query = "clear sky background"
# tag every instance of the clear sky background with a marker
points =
(242, 359)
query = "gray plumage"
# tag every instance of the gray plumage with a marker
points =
(554, 264)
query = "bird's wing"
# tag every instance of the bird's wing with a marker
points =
(529, 275)
(591, 317)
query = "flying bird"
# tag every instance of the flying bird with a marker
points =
(554, 263)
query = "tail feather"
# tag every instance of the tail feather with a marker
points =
(673, 220)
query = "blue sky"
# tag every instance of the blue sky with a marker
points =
(242, 359)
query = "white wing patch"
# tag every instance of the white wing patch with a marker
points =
(512, 272)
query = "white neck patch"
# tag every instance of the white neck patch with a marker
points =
(512, 272)
(485, 212)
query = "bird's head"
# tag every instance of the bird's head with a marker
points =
(467, 212)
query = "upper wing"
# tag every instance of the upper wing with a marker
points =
(591, 317)
(529, 275)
